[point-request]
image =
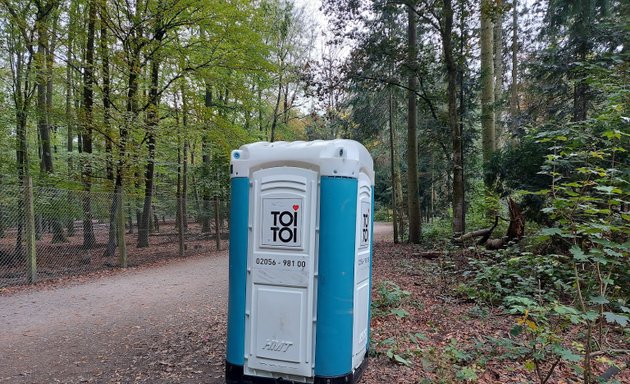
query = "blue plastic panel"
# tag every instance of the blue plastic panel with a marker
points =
(239, 211)
(371, 263)
(337, 225)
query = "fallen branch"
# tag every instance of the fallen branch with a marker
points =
(515, 231)
(483, 233)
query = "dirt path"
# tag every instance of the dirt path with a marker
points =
(109, 329)
(383, 231)
(160, 324)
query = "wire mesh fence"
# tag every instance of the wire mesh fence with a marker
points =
(69, 232)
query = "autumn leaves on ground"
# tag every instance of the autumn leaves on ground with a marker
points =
(425, 331)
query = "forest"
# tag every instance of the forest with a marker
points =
(500, 131)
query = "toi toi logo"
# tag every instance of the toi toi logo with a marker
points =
(366, 227)
(285, 225)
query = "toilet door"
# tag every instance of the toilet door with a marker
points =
(280, 300)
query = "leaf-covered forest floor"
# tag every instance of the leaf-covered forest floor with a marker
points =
(423, 331)
(166, 322)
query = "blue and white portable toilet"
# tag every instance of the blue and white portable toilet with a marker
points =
(301, 223)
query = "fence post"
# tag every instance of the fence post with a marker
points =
(31, 254)
(120, 226)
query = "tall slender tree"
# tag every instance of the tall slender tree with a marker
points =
(498, 71)
(413, 203)
(487, 80)
(42, 20)
(89, 240)
(159, 32)
(21, 50)
(459, 221)
(514, 107)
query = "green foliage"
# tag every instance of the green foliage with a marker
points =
(584, 282)
(394, 352)
(382, 214)
(536, 337)
(390, 295)
(438, 231)
(452, 363)
(510, 272)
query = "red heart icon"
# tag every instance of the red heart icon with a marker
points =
(296, 207)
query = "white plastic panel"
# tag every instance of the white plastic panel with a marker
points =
(279, 329)
(362, 270)
(280, 280)
(361, 326)
(346, 158)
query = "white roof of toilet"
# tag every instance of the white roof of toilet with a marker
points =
(340, 158)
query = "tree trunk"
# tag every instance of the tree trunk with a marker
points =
(22, 169)
(112, 242)
(43, 11)
(104, 47)
(392, 163)
(178, 191)
(152, 121)
(487, 82)
(69, 114)
(498, 72)
(184, 214)
(580, 92)
(274, 119)
(514, 109)
(459, 220)
(412, 146)
(205, 158)
(86, 135)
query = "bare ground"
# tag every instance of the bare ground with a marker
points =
(161, 324)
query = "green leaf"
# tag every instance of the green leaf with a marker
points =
(565, 310)
(599, 300)
(389, 341)
(611, 252)
(615, 318)
(516, 330)
(399, 312)
(566, 354)
(466, 374)
(401, 360)
(550, 231)
(415, 337)
(577, 253)
(590, 316)
(530, 365)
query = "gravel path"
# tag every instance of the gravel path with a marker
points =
(157, 324)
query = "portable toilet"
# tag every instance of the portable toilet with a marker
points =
(301, 222)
